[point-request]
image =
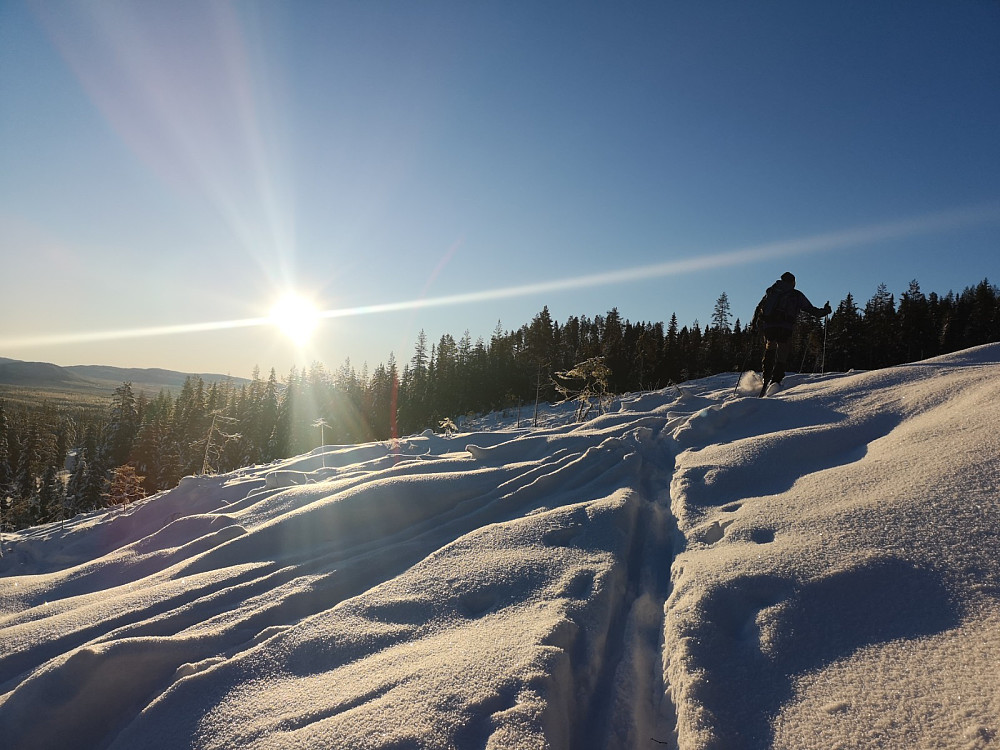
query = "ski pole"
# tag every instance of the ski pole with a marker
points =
(822, 362)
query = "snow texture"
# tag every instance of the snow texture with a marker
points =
(699, 567)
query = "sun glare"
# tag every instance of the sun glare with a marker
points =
(296, 317)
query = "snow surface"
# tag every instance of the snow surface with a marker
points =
(816, 569)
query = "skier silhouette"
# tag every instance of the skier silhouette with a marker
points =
(776, 314)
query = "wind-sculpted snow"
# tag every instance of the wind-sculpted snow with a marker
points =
(698, 569)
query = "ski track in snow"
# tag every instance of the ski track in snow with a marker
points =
(569, 586)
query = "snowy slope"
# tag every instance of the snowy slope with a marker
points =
(819, 569)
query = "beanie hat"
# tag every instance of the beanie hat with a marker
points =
(787, 276)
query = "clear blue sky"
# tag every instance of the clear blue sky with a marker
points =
(181, 163)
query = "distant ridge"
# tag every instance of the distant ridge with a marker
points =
(151, 375)
(39, 375)
(96, 378)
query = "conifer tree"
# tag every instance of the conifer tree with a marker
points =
(719, 356)
(94, 483)
(6, 475)
(269, 416)
(916, 335)
(25, 482)
(76, 487)
(880, 328)
(984, 314)
(844, 336)
(122, 427)
(722, 314)
(153, 453)
(614, 352)
(50, 497)
(280, 444)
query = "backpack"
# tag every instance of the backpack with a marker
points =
(778, 306)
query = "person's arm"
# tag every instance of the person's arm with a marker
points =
(816, 312)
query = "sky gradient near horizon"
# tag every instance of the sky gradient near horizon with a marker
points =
(447, 166)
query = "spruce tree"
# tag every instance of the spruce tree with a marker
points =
(76, 486)
(94, 483)
(122, 427)
(6, 474)
(269, 416)
(25, 483)
(50, 497)
(916, 335)
(672, 351)
(881, 333)
(844, 336)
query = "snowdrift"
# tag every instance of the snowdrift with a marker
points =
(817, 569)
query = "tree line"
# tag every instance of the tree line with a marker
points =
(55, 463)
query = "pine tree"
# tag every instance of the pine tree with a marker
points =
(51, 493)
(984, 314)
(280, 443)
(268, 416)
(719, 355)
(25, 482)
(122, 427)
(615, 353)
(94, 483)
(672, 352)
(154, 453)
(880, 329)
(75, 488)
(844, 336)
(190, 424)
(500, 369)
(414, 402)
(916, 335)
(722, 315)
(6, 474)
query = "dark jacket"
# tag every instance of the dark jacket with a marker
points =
(792, 302)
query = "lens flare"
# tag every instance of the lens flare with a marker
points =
(297, 317)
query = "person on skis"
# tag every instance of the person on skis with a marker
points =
(776, 315)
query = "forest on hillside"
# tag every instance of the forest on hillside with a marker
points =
(56, 462)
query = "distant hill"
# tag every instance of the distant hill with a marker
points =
(40, 375)
(153, 377)
(94, 379)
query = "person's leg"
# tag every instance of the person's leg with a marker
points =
(767, 366)
(782, 353)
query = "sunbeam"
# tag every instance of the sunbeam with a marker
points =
(131, 333)
(850, 238)
(198, 105)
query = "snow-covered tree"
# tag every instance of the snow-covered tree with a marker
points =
(122, 427)
(124, 487)
(6, 474)
(51, 492)
(587, 384)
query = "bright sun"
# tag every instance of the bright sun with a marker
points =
(296, 317)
